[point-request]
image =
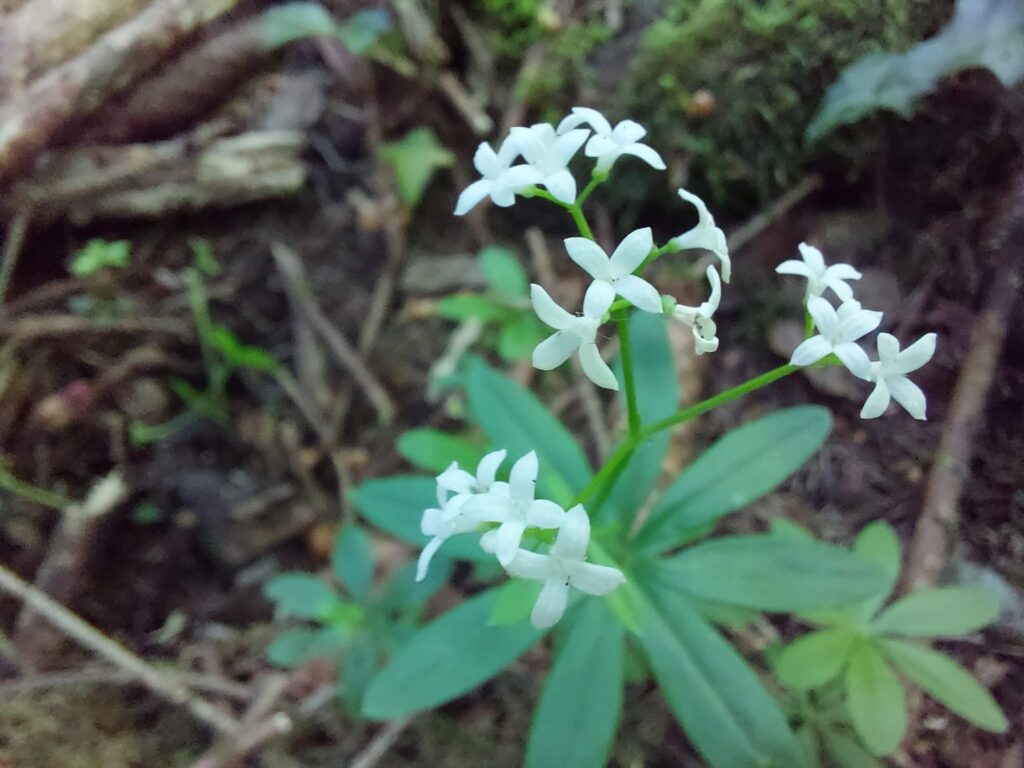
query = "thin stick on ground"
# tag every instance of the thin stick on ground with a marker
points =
(12, 248)
(165, 685)
(381, 743)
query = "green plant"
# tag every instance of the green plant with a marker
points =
(98, 255)
(358, 626)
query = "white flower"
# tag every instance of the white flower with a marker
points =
(501, 180)
(548, 154)
(459, 480)
(837, 332)
(608, 144)
(447, 520)
(615, 275)
(573, 332)
(516, 508)
(564, 566)
(699, 318)
(705, 235)
(889, 374)
(820, 277)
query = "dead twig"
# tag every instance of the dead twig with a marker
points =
(166, 685)
(381, 743)
(104, 675)
(35, 327)
(753, 227)
(12, 247)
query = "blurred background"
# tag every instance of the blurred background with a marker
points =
(230, 280)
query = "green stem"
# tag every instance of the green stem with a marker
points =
(40, 496)
(808, 325)
(611, 469)
(628, 374)
(596, 180)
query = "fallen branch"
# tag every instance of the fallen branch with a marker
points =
(165, 685)
(35, 327)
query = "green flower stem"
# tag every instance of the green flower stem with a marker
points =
(36, 495)
(596, 180)
(611, 469)
(808, 324)
(628, 374)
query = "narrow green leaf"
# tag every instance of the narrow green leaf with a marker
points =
(845, 752)
(300, 645)
(396, 504)
(519, 335)
(875, 697)
(503, 272)
(469, 306)
(657, 391)
(879, 544)
(718, 699)
(815, 659)
(742, 466)
(515, 419)
(770, 573)
(515, 602)
(403, 593)
(358, 667)
(414, 159)
(947, 682)
(575, 721)
(352, 560)
(434, 450)
(301, 595)
(943, 612)
(446, 659)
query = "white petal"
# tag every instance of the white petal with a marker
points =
(530, 145)
(824, 316)
(506, 540)
(518, 177)
(508, 151)
(645, 153)
(888, 349)
(595, 579)
(813, 257)
(811, 351)
(855, 359)
(488, 507)
(426, 556)
(456, 480)
(704, 215)
(628, 132)
(597, 370)
(574, 120)
(859, 324)
(843, 272)
(547, 310)
(472, 195)
(530, 565)
(589, 256)
(574, 535)
(555, 350)
(550, 605)
(841, 289)
(562, 185)
(487, 469)
(916, 355)
(703, 345)
(632, 251)
(567, 145)
(432, 522)
(601, 146)
(794, 267)
(545, 514)
(487, 162)
(716, 288)
(641, 293)
(909, 395)
(598, 299)
(523, 477)
(488, 541)
(581, 115)
(877, 401)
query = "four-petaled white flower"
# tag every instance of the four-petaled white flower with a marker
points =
(548, 154)
(459, 480)
(614, 276)
(516, 508)
(573, 332)
(448, 519)
(820, 277)
(608, 144)
(699, 318)
(705, 235)
(890, 371)
(564, 566)
(501, 180)
(838, 331)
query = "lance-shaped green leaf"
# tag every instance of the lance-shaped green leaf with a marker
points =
(943, 612)
(718, 699)
(352, 561)
(878, 544)
(815, 659)
(772, 573)
(875, 698)
(503, 273)
(742, 466)
(396, 504)
(434, 451)
(515, 419)
(846, 752)
(575, 721)
(301, 595)
(446, 659)
(947, 682)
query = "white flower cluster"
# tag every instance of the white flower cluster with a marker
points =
(467, 503)
(547, 152)
(840, 328)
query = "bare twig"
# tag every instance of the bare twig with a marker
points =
(381, 743)
(35, 327)
(753, 227)
(104, 675)
(166, 685)
(12, 247)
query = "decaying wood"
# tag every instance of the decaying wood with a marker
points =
(71, 549)
(30, 119)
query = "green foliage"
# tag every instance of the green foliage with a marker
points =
(98, 255)
(352, 561)
(434, 450)
(856, 648)
(983, 33)
(414, 159)
(738, 468)
(283, 24)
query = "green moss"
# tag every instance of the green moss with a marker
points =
(564, 69)
(766, 65)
